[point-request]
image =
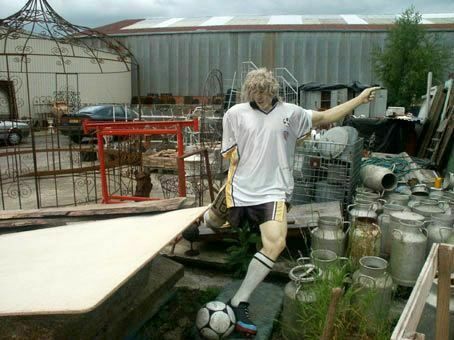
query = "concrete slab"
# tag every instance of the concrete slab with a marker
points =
(265, 307)
(73, 269)
(118, 317)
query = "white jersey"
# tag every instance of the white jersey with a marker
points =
(265, 143)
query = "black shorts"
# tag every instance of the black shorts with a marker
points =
(255, 215)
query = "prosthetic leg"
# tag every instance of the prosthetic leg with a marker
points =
(216, 215)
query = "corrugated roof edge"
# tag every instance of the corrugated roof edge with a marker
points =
(116, 28)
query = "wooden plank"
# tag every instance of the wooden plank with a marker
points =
(23, 223)
(434, 116)
(73, 269)
(446, 138)
(445, 256)
(328, 330)
(409, 319)
(97, 209)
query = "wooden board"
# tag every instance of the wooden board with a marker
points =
(97, 209)
(409, 319)
(73, 269)
(433, 119)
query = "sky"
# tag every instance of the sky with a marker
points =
(95, 13)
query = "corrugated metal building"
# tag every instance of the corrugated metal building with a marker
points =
(176, 54)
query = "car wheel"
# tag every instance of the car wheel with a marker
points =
(14, 137)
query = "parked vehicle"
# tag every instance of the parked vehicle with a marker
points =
(13, 132)
(71, 124)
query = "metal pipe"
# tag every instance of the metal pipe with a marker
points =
(102, 169)
(378, 178)
(180, 163)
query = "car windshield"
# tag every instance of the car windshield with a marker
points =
(107, 109)
(91, 109)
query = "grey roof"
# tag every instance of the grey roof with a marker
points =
(347, 21)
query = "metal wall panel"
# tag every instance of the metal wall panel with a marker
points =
(178, 63)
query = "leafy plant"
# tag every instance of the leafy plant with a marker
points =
(410, 52)
(242, 250)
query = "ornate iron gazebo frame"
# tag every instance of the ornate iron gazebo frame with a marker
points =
(44, 54)
(38, 20)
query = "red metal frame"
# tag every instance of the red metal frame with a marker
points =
(139, 128)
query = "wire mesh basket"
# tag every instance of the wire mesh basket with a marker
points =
(326, 171)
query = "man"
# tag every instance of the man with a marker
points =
(259, 138)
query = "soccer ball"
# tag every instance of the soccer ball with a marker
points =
(215, 320)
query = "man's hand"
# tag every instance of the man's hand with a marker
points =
(368, 94)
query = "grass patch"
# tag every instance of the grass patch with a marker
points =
(352, 318)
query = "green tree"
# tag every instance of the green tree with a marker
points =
(410, 52)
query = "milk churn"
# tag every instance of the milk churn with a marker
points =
(362, 209)
(429, 207)
(408, 251)
(428, 316)
(397, 198)
(450, 239)
(436, 194)
(329, 235)
(383, 222)
(298, 291)
(406, 216)
(364, 238)
(368, 195)
(376, 284)
(439, 229)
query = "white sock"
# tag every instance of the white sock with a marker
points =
(258, 269)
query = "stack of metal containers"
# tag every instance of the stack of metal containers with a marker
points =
(391, 226)
(326, 168)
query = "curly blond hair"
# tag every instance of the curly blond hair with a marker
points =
(260, 80)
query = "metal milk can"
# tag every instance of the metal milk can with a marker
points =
(436, 194)
(426, 324)
(298, 291)
(384, 221)
(376, 284)
(397, 198)
(329, 235)
(408, 252)
(451, 238)
(364, 238)
(428, 209)
(368, 195)
(439, 229)
(362, 209)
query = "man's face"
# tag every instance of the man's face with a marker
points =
(263, 99)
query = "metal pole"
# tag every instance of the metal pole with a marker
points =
(180, 163)
(102, 168)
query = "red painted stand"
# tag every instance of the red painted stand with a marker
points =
(139, 128)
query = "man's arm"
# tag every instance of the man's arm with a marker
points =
(340, 111)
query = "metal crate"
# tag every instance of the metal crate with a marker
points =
(326, 171)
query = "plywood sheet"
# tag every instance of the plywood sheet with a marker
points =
(73, 269)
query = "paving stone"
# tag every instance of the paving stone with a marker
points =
(265, 307)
